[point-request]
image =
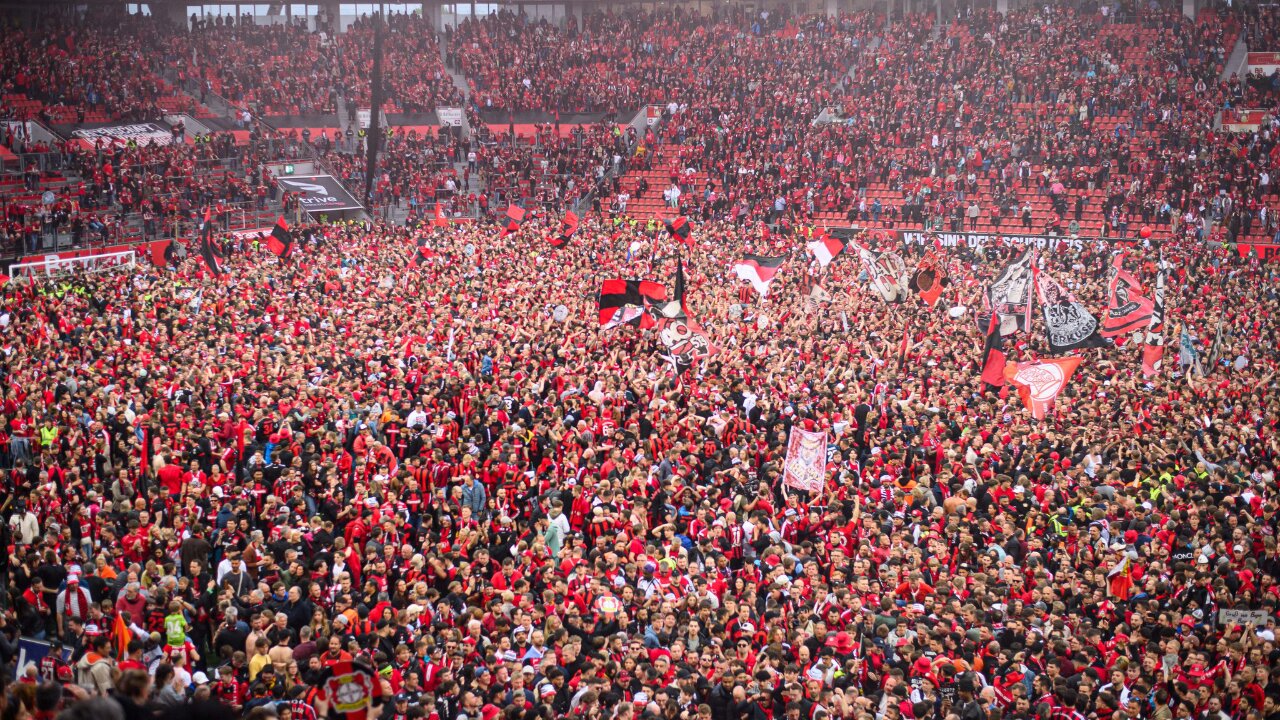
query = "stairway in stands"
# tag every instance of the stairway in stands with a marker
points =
(665, 164)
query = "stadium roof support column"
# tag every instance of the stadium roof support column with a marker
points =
(1002, 7)
(833, 8)
(1189, 8)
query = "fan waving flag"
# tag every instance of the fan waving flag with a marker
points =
(1040, 382)
(624, 302)
(1127, 309)
(568, 227)
(280, 241)
(439, 220)
(680, 229)
(1153, 343)
(825, 248)
(759, 271)
(207, 251)
(929, 279)
(515, 218)
(993, 354)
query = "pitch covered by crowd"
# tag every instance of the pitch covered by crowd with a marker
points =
(414, 456)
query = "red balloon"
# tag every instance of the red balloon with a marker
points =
(1145, 232)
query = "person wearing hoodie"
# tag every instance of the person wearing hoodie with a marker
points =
(96, 670)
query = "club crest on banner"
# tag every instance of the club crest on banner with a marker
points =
(806, 463)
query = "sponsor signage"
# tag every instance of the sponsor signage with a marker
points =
(449, 116)
(139, 133)
(1264, 62)
(319, 193)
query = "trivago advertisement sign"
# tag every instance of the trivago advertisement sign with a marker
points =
(319, 193)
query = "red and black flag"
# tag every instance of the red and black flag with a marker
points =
(680, 229)
(207, 249)
(515, 218)
(993, 354)
(674, 308)
(624, 302)
(568, 227)
(280, 241)
(759, 271)
(905, 347)
(421, 253)
(929, 278)
(1127, 310)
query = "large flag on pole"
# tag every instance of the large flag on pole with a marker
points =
(207, 250)
(1011, 295)
(993, 354)
(675, 307)
(568, 227)
(1068, 324)
(515, 218)
(1039, 382)
(825, 248)
(759, 270)
(680, 229)
(1127, 309)
(1153, 345)
(280, 242)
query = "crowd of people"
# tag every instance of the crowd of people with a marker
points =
(403, 470)
(387, 449)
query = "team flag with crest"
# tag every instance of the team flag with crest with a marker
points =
(888, 274)
(929, 278)
(1127, 309)
(1068, 324)
(1039, 382)
(1010, 295)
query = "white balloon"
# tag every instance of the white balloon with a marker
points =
(957, 311)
